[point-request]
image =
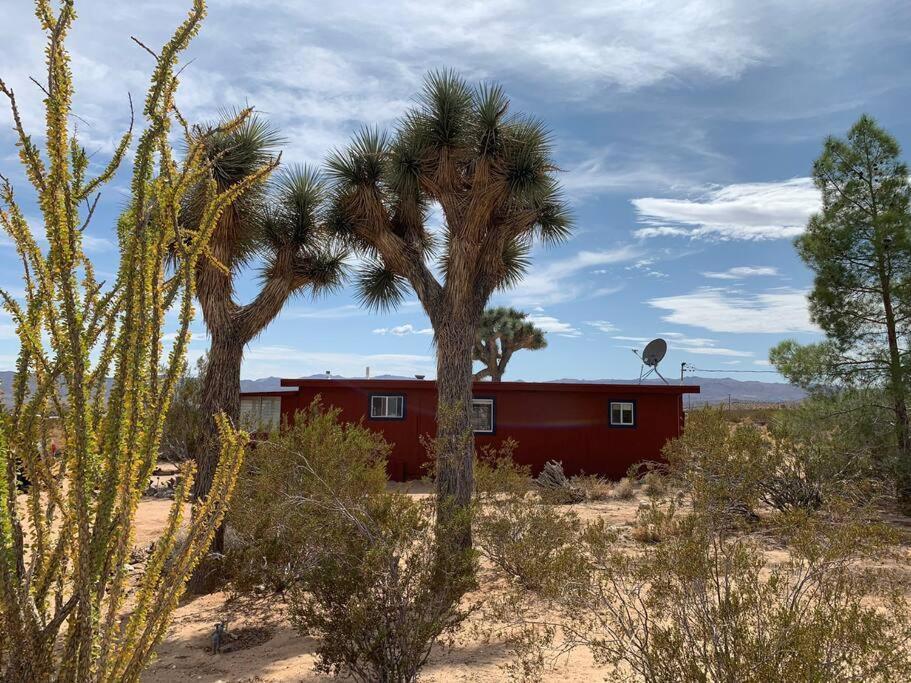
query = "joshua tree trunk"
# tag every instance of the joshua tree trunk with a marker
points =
(455, 439)
(220, 394)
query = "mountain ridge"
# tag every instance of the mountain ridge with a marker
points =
(713, 389)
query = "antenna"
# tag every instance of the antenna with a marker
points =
(651, 355)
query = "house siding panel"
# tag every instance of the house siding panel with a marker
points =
(549, 421)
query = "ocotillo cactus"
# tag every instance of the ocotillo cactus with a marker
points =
(94, 356)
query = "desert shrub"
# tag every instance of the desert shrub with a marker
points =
(182, 430)
(625, 489)
(373, 595)
(654, 484)
(529, 541)
(703, 606)
(838, 445)
(497, 474)
(594, 487)
(656, 521)
(799, 463)
(279, 516)
(313, 518)
(719, 464)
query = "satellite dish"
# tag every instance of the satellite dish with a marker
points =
(651, 355)
(654, 352)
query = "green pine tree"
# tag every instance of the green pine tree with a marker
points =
(859, 248)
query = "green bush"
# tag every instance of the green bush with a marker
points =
(497, 474)
(720, 465)
(312, 518)
(656, 521)
(183, 426)
(373, 594)
(840, 445)
(702, 606)
(806, 460)
(281, 512)
(529, 541)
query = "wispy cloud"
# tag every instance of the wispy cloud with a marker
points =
(740, 272)
(743, 211)
(553, 325)
(403, 330)
(602, 325)
(677, 341)
(701, 346)
(718, 310)
(554, 282)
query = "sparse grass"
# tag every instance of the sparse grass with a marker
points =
(595, 487)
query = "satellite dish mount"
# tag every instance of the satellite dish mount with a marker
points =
(651, 355)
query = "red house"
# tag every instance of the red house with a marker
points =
(591, 428)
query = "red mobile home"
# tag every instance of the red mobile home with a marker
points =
(595, 428)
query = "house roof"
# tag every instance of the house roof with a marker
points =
(404, 384)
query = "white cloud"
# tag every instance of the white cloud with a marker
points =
(661, 231)
(553, 325)
(677, 341)
(763, 362)
(550, 283)
(740, 272)
(285, 361)
(602, 325)
(714, 351)
(773, 311)
(403, 330)
(743, 211)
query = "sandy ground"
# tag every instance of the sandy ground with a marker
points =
(267, 648)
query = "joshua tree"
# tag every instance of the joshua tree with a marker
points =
(502, 332)
(277, 222)
(493, 177)
(92, 354)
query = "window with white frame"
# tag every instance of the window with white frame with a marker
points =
(260, 413)
(482, 415)
(387, 407)
(622, 414)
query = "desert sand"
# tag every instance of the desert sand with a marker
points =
(265, 647)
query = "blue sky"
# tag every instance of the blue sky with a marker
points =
(685, 132)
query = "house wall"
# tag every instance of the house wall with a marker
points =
(566, 422)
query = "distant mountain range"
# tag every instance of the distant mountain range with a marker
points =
(713, 389)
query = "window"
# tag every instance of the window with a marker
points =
(260, 413)
(387, 407)
(482, 415)
(622, 414)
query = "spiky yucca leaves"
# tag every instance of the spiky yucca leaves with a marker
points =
(502, 332)
(277, 222)
(492, 175)
(68, 610)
